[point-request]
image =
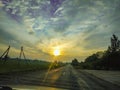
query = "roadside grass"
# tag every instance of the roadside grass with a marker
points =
(22, 65)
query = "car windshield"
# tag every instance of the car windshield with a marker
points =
(59, 44)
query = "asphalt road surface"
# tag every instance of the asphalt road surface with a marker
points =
(65, 77)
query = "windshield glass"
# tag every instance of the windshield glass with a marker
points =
(60, 44)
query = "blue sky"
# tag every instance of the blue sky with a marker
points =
(77, 27)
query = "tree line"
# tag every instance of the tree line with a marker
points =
(106, 60)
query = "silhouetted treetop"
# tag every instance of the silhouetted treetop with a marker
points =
(75, 62)
(115, 44)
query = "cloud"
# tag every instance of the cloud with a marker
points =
(78, 27)
(5, 37)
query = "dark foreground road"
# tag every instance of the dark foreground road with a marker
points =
(66, 77)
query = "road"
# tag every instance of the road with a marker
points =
(65, 77)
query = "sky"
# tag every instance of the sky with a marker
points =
(78, 28)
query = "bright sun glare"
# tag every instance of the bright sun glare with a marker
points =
(56, 52)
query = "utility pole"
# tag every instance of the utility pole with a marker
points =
(4, 56)
(22, 53)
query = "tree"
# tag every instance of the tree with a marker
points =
(107, 60)
(111, 58)
(115, 44)
(75, 62)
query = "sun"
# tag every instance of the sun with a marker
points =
(56, 52)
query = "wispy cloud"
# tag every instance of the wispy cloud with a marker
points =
(78, 27)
